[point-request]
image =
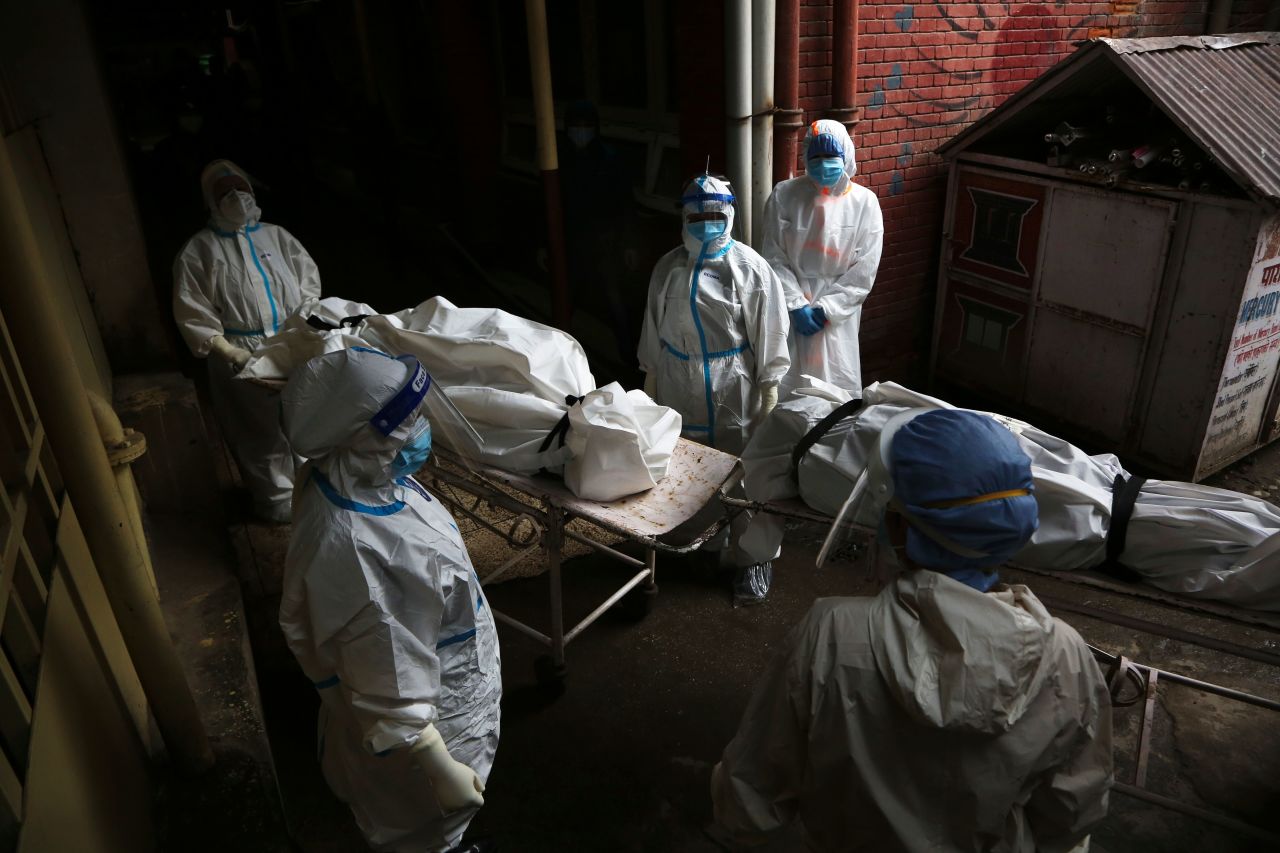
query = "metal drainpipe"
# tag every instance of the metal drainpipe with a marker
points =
(844, 63)
(788, 118)
(544, 113)
(762, 36)
(1219, 17)
(124, 447)
(59, 394)
(737, 74)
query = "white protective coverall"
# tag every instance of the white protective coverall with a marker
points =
(241, 283)
(824, 244)
(382, 608)
(715, 327)
(932, 717)
(1184, 538)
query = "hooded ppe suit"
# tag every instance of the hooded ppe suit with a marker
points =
(932, 716)
(824, 243)
(381, 605)
(715, 327)
(240, 281)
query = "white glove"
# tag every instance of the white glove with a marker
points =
(768, 399)
(228, 352)
(457, 786)
(651, 386)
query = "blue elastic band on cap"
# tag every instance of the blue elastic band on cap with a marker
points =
(406, 399)
(697, 197)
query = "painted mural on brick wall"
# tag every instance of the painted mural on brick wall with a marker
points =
(945, 65)
(926, 71)
(1250, 369)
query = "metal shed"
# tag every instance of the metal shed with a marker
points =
(1111, 251)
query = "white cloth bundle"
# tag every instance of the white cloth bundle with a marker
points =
(515, 381)
(1185, 538)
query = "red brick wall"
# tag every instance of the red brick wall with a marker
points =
(925, 72)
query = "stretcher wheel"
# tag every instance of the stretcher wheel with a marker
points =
(635, 605)
(550, 674)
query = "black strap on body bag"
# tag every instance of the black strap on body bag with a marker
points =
(325, 326)
(1124, 495)
(561, 429)
(820, 429)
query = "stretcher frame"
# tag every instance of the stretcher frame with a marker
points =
(542, 507)
(1146, 680)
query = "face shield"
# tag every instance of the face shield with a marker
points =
(863, 511)
(424, 411)
(381, 413)
(960, 482)
(707, 209)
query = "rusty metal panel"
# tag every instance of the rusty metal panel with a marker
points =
(996, 227)
(1104, 255)
(87, 784)
(989, 266)
(1083, 373)
(1236, 420)
(1205, 298)
(982, 337)
(1224, 91)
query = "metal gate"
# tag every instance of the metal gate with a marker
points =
(74, 724)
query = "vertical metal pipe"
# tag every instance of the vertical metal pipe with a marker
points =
(737, 52)
(762, 36)
(544, 114)
(1219, 16)
(844, 63)
(112, 433)
(788, 118)
(59, 395)
(553, 542)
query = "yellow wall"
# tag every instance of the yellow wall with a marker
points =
(36, 188)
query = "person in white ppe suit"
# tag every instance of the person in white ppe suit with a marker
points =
(714, 341)
(823, 236)
(949, 712)
(383, 610)
(234, 283)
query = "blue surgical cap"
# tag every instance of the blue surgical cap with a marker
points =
(824, 145)
(951, 470)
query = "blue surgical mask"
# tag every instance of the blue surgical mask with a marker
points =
(705, 230)
(414, 454)
(825, 171)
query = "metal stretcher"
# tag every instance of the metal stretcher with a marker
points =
(676, 517)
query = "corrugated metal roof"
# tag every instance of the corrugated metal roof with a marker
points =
(1223, 91)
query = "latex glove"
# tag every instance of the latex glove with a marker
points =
(651, 386)
(803, 322)
(820, 316)
(768, 399)
(457, 786)
(228, 352)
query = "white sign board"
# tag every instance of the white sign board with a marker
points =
(1235, 423)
